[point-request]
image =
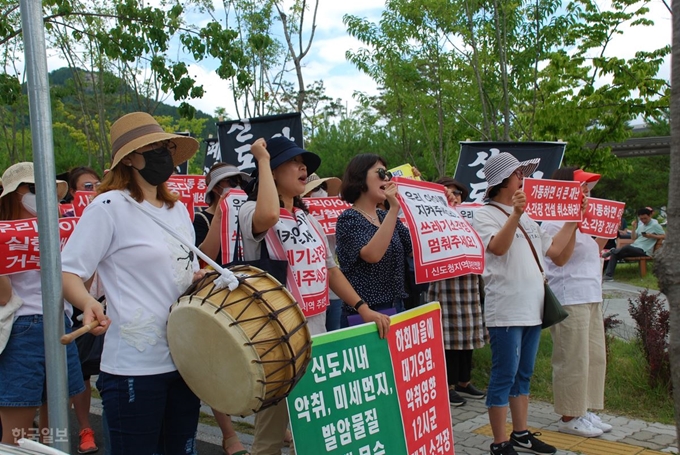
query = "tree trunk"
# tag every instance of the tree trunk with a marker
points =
(668, 261)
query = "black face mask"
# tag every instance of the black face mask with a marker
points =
(159, 166)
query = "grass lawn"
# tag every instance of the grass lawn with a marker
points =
(626, 390)
(630, 273)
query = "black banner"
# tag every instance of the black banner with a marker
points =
(236, 136)
(212, 154)
(473, 155)
(183, 168)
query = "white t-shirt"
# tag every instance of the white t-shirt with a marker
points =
(580, 279)
(513, 282)
(143, 270)
(26, 285)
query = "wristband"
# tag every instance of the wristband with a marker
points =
(358, 305)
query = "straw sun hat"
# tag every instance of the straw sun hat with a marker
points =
(20, 173)
(138, 129)
(333, 184)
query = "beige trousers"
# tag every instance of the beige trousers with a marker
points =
(579, 360)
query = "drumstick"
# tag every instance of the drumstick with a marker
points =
(66, 339)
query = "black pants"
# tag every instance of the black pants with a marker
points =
(458, 366)
(627, 251)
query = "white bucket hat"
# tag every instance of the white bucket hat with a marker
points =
(500, 167)
(20, 173)
(219, 172)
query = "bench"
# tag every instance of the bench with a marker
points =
(641, 260)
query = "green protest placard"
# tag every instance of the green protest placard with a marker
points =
(365, 396)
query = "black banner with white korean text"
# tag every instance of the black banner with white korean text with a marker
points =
(473, 155)
(236, 136)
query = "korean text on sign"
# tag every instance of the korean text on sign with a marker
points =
(553, 200)
(417, 350)
(346, 403)
(326, 210)
(602, 219)
(444, 244)
(19, 248)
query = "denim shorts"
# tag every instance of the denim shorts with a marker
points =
(22, 365)
(513, 355)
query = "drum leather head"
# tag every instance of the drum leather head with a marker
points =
(213, 356)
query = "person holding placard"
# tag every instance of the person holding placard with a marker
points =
(462, 318)
(22, 361)
(579, 355)
(372, 244)
(275, 217)
(514, 294)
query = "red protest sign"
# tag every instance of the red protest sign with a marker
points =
(230, 207)
(417, 351)
(66, 210)
(602, 219)
(82, 199)
(19, 249)
(326, 210)
(553, 200)
(444, 244)
(188, 187)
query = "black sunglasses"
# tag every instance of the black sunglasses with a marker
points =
(234, 182)
(31, 187)
(383, 173)
(457, 192)
(168, 147)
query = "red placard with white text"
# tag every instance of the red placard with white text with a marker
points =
(603, 218)
(82, 199)
(553, 200)
(417, 350)
(230, 207)
(444, 244)
(190, 189)
(19, 249)
(326, 210)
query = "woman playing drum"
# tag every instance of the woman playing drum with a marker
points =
(276, 214)
(143, 269)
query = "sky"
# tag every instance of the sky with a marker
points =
(326, 60)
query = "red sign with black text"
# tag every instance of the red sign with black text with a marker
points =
(19, 249)
(444, 244)
(553, 200)
(603, 218)
(326, 210)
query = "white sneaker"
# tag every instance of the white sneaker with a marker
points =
(597, 422)
(580, 426)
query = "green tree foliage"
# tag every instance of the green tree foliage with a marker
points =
(492, 70)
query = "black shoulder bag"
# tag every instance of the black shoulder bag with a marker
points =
(278, 269)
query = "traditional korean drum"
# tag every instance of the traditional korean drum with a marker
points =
(240, 351)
